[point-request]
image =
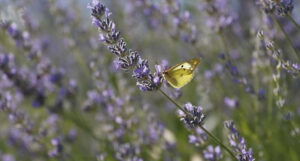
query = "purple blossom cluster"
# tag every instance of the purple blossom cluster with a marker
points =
(121, 123)
(218, 14)
(121, 120)
(169, 14)
(184, 28)
(278, 7)
(126, 58)
(192, 116)
(239, 143)
(276, 54)
(199, 138)
(41, 84)
(212, 153)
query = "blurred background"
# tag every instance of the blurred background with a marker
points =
(62, 97)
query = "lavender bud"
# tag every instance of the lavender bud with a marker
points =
(98, 10)
(142, 70)
(150, 84)
(128, 61)
(111, 37)
(118, 49)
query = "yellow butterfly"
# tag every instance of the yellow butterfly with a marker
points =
(181, 74)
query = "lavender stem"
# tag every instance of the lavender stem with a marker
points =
(295, 54)
(210, 134)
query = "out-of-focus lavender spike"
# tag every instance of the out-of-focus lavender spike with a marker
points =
(212, 153)
(239, 143)
(199, 138)
(219, 15)
(231, 102)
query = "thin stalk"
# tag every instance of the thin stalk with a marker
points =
(293, 21)
(287, 37)
(173, 101)
(218, 141)
(208, 133)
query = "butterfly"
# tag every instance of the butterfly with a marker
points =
(181, 74)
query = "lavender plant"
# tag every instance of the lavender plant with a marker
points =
(80, 83)
(239, 143)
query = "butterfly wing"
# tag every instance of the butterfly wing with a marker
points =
(178, 79)
(181, 74)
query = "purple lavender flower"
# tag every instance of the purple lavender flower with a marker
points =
(22, 39)
(14, 32)
(151, 83)
(199, 138)
(237, 77)
(15, 75)
(99, 10)
(151, 11)
(233, 69)
(292, 68)
(212, 153)
(239, 143)
(7, 157)
(278, 7)
(142, 70)
(93, 98)
(58, 147)
(119, 49)
(127, 152)
(192, 116)
(56, 77)
(39, 100)
(276, 54)
(296, 66)
(155, 130)
(262, 94)
(231, 102)
(126, 59)
(184, 29)
(219, 16)
(127, 62)
(22, 79)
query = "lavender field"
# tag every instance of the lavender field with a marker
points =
(93, 80)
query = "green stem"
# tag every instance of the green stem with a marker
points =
(295, 54)
(293, 21)
(173, 101)
(208, 133)
(218, 142)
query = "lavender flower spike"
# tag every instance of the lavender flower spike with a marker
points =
(127, 59)
(192, 116)
(278, 7)
(212, 153)
(239, 143)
